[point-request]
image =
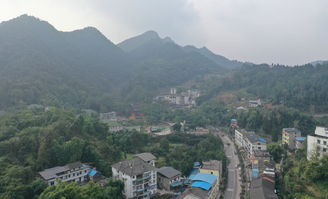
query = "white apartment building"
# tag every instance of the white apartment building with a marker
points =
(249, 141)
(139, 177)
(74, 172)
(317, 144)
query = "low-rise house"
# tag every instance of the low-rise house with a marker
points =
(74, 172)
(317, 144)
(167, 178)
(213, 167)
(289, 137)
(138, 176)
(148, 158)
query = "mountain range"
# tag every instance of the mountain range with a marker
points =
(39, 64)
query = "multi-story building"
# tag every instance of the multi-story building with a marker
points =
(317, 144)
(138, 176)
(249, 141)
(148, 158)
(239, 137)
(74, 172)
(289, 137)
(253, 142)
(167, 177)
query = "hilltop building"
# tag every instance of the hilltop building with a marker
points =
(74, 172)
(317, 144)
(254, 103)
(148, 158)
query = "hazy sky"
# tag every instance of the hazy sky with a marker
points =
(271, 31)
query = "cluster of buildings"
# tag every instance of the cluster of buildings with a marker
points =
(183, 99)
(260, 166)
(142, 179)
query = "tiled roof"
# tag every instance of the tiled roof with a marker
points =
(168, 172)
(146, 156)
(136, 166)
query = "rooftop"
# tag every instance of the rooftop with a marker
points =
(53, 172)
(212, 165)
(168, 172)
(135, 166)
(146, 156)
(252, 137)
(205, 177)
(321, 131)
(291, 130)
(263, 188)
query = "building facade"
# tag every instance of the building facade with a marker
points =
(289, 137)
(74, 172)
(167, 177)
(138, 176)
(317, 145)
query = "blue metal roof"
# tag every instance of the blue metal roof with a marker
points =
(255, 173)
(205, 177)
(203, 185)
(92, 172)
(233, 120)
(300, 138)
(262, 140)
(193, 173)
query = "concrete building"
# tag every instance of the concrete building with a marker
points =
(317, 144)
(148, 158)
(139, 177)
(203, 186)
(289, 137)
(253, 142)
(239, 137)
(74, 172)
(167, 177)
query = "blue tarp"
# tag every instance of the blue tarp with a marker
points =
(176, 183)
(92, 172)
(205, 177)
(196, 164)
(203, 185)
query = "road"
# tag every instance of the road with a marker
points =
(234, 183)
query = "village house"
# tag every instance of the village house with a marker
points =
(168, 178)
(289, 137)
(139, 177)
(299, 142)
(74, 172)
(263, 188)
(317, 144)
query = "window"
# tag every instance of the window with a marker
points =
(52, 183)
(325, 142)
(318, 141)
(324, 150)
